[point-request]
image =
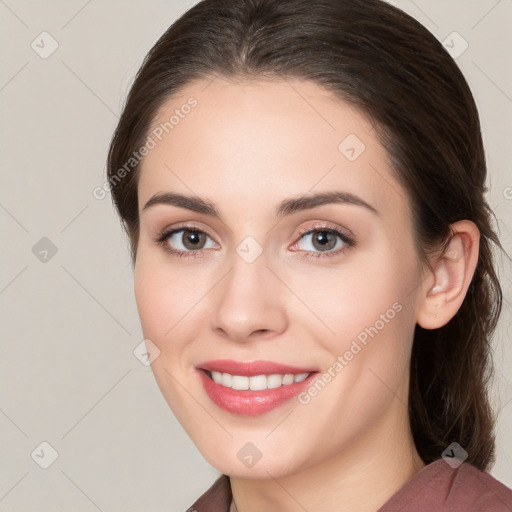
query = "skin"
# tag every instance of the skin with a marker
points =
(246, 147)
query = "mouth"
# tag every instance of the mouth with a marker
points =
(251, 389)
(256, 382)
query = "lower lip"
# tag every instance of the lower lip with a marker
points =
(250, 403)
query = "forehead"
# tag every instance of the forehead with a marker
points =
(260, 141)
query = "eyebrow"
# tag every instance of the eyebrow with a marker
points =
(285, 207)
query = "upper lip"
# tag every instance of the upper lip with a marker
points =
(252, 368)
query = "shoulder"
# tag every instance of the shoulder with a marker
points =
(480, 490)
(216, 499)
(438, 486)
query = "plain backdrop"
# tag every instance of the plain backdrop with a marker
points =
(68, 374)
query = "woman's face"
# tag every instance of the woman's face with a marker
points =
(327, 287)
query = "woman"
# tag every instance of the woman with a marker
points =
(302, 183)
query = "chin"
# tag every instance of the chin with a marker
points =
(250, 462)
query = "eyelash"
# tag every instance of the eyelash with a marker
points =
(163, 237)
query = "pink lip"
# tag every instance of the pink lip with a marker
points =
(251, 369)
(247, 402)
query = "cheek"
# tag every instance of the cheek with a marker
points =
(367, 314)
(367, 357)
(351, 298)
(158, 300)
(151, 298)
(167, 296)
(379, 318)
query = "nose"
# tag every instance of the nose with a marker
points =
(249, 303)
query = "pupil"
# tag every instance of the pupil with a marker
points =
(192, 238)
(325, 239)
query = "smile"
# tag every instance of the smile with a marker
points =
(252, 389)
(258, 382)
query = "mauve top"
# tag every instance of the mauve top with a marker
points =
(436, 487)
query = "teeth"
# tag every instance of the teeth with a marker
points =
(226, 379)
(301, 377)
(257, 382)
(240, 382)
(287, 379)
(274, 381)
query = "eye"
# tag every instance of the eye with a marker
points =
(184, 241)
(323, 241)
(189, 241)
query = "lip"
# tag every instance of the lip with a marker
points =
(250, 369)
(247, 402)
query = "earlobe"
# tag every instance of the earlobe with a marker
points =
(452, 273)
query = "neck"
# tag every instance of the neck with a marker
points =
(362, 477)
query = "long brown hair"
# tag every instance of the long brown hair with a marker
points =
(394, 70)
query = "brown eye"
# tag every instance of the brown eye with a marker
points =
(185, 241)
(193, 239)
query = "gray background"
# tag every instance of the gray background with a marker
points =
(68, 375)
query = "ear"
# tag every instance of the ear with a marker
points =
(444, 289)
